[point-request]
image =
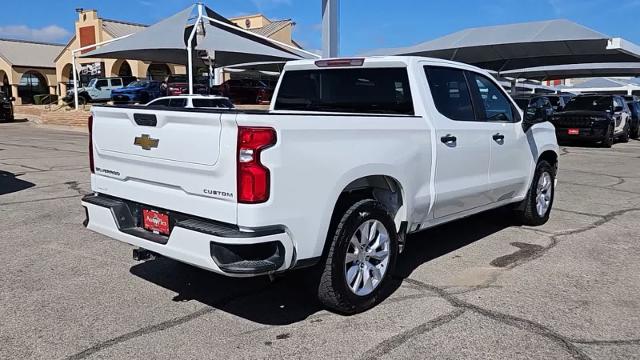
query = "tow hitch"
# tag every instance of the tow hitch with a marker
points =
(141, 254)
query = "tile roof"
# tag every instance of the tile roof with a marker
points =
(118, 28)
(271, 28)
(29, 53)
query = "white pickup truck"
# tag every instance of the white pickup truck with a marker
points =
(352, 156)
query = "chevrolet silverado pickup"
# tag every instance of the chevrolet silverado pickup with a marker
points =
(353, 155)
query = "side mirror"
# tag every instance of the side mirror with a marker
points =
(535, 116)
(618, 109)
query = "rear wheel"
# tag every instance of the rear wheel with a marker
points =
(536, 207)
(363, 251)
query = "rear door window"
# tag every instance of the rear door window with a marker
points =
(161, 102)
(212, 103)
(178, 102)
(450, 93)
(116, 82)
(361, 90)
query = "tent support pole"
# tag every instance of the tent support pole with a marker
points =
(190, 48)
(75, 67)
(75, 79)
(237, 28)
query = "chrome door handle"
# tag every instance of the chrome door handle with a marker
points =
(498, 137)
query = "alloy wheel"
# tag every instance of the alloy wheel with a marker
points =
(544, 192)
(367, 257)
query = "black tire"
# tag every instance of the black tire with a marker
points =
(144, 98)
(527, 212)
(333, 290)
(608, 140)
(635, 131)
(626, 133)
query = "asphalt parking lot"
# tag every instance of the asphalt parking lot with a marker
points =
(478, 288)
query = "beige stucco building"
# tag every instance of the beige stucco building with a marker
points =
(27, 69)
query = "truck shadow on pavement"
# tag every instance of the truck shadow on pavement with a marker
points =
(9, 183)
(289, 299)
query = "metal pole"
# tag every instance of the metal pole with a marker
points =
(235, 28)
(190, 48)
(330, 31)
(73, 57)
(75, 80)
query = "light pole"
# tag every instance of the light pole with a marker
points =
(330, 28)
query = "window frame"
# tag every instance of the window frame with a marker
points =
(158, 102)
(332, 75)
(481, 114)
(474, 105)
(105, 81)
(183, 102)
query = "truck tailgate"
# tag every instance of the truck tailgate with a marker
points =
(177, 160)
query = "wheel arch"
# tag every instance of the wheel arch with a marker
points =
(551, 157)
(384, 188)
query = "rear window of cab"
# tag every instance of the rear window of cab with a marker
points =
(358, 90)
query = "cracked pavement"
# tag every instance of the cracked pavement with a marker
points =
(478, 288)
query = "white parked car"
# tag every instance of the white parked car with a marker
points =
(193, 101)
(353, 155)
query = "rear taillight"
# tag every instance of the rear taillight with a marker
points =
(253, 177)
(90, 125)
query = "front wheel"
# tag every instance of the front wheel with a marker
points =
(363, 251)
(626, 133)
(608, 140)
(536, 207)
(635, 133)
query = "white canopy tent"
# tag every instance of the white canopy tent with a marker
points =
(210, 39)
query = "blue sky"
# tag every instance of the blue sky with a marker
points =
(365, 24)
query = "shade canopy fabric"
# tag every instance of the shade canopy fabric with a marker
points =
(575, 71)
(166, 41)
(524, 45)
(604, 85)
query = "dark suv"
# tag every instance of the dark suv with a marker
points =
(535, 105)
(634, 105)
(559, 101)
(6, 107)
(597, 118)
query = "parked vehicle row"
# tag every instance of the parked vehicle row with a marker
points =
(99, 89)
(140, 91)
(245, 91)
(193, 102)
(353, 155)
(603, 119)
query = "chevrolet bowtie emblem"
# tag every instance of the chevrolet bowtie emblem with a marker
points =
(146, 142)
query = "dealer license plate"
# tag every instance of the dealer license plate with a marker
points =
(155, 221)
(574, 131)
